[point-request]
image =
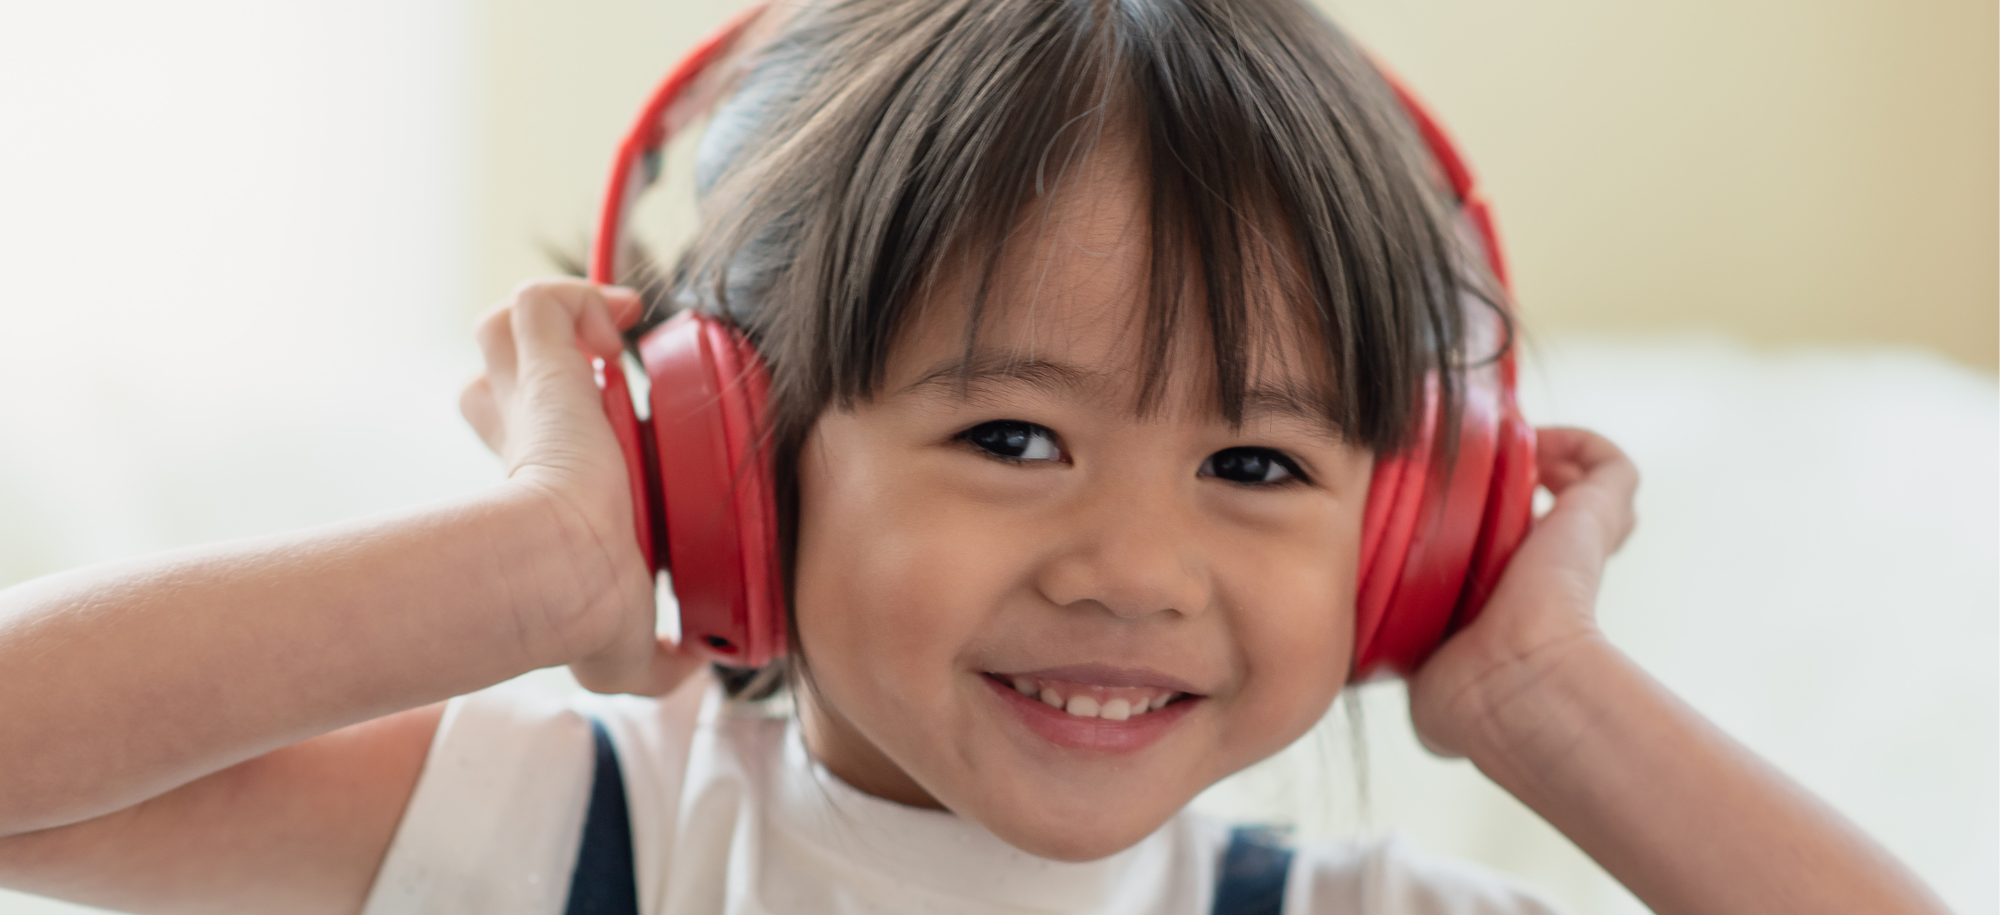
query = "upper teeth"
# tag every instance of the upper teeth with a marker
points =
(1130, 702)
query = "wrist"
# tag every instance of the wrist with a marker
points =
(568, 570)
(1683, 816)
(1497, 665)
(1529, 716)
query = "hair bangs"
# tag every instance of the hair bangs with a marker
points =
(878, 144)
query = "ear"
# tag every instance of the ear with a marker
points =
(720, 77)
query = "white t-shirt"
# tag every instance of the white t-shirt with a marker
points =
(731, 815)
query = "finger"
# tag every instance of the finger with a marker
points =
(1566, 455)
(594, 315)
(597, 329)
(480, 409)
(626, 305)
(1591, 461)
(498, 331)
(495, 335)
(553, 320)
(1593, 481)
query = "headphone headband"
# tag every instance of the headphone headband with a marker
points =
(1435, 538)
(637, 164)
(639, 156)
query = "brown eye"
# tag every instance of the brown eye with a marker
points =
(1014, 440)
(1253, 466)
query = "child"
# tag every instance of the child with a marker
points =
(1087, 322)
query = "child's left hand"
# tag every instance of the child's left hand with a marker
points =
(538, 407)
(1546, 602)
(1686, 818)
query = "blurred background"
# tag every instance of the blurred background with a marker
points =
(1754, 242)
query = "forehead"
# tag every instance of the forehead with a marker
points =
(1070, 303)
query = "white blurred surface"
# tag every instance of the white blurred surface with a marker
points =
(233, 241)
(233, 250)
(232, 272)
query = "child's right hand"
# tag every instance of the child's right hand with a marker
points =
(239, 726)
(538, 407)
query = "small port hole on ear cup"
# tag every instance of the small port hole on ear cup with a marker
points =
(719, 643)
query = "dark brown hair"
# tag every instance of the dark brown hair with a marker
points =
(873, 143)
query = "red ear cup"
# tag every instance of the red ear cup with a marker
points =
(1388, 529)
(708, 393)
(1452, 527)
(1435, 536)
(701, 490)
(701, 485)
(1509, 508)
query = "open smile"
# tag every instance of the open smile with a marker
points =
(1093, 708)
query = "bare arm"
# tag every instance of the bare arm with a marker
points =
(127, 680)
(301, 829)
(1687, 818)
(205, 730)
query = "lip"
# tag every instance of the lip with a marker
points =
(1093, 734)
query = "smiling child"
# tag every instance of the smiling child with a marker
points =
(1087, 322)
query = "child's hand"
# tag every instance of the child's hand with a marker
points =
(1686, 818)
(539, 408)
(1546, 601)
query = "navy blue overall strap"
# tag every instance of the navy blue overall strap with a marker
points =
(1251, 880)
(604, 883)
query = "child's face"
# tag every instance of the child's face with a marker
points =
(1033, 532)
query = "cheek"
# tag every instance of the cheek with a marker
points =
(882, 579)
(1294, 625)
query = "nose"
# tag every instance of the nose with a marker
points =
(1134, 551)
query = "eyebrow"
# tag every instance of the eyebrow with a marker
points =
(961, 377)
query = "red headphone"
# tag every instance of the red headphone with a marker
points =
(1435, 538)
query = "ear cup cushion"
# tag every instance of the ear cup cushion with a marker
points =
(744, 387)
(1451, 502)
(1509, 513)
(1395, 494)
(708, 396)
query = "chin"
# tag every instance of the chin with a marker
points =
(1075, 833)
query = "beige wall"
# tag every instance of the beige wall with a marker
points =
(1787, 171)
(557, 84)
